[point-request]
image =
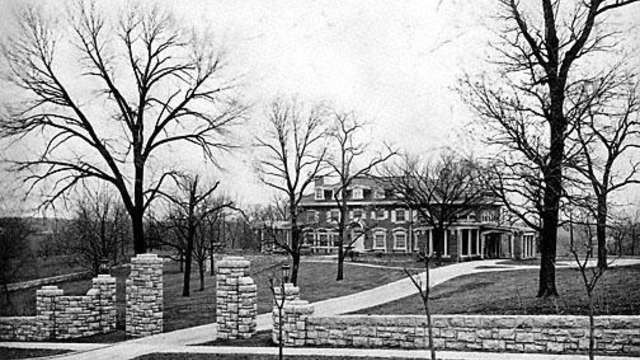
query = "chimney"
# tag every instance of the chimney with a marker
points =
(318, 181)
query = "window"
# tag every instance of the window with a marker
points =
(334, 215)
(400, 240)
(379, 240)
(319, 194)
(358, 214)
(486, 216)
(378, 194)
(400, 215)
(357, 194)
(311, 216)
(323, 239)
(308, 238)
(381, 214)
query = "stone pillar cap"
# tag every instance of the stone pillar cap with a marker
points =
(147, 257)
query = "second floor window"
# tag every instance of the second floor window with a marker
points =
(311, 216)
(335, 215)
(357, 214)
(378, 194)
(357, 194)
(320, 194)
(400, 216)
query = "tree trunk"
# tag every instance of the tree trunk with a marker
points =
(295, 249)
(340, 274)
(591, 326)
(341, 236)
(427, 310)
(551, 205)
(187, 265)
(139, 245)
(201, 270)
(212, 270)
(601, 232)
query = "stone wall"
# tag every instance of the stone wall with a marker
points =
(65, 317)
(236, 303)
(144, 296)
(517, 333)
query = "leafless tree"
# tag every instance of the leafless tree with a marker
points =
(607, 136)
(190, 207)
(157, 85)
(582, 253)
(541, 60)
(424, 290)
(439, 191)
(293, 158)
(95, 233)
(348, 161)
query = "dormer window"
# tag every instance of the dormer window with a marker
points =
(378, 194)
(319, 194)
(357, 194)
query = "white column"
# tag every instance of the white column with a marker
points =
(446, 240)
(483, 239)
(513, 253)
(459, 241)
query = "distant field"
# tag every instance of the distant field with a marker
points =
(514, 292)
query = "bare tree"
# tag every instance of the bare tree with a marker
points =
(292, 160)
(582, 253)
(440, 191)
(525, 105)
(348, 152)
(424, 290)
(607, 136)
(190, 208)
(95, 233)
(179, 96)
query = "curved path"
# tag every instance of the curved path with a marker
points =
(178, 339)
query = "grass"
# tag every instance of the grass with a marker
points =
(514, 292)
(15, 353)
(316, 280)
(178, 356)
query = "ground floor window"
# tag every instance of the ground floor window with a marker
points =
(400, 240)
(379, 239)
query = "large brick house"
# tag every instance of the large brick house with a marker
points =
(388, 226)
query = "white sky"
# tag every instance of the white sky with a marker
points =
(394, 63)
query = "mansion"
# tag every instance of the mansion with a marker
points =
(390, 227)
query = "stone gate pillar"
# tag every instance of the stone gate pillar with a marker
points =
(106, 302)
(144, 296)
(236, 299)
(46, 301)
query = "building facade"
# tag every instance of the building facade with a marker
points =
(382, 223)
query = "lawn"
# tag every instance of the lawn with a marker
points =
(514, 292)
(316, 280)
(15, 353)
(178, 356)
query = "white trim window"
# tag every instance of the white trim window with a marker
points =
(380, 240)
(379, 214)
(357, 194)
(334, 215)
(359, 214)
(400, 240)
(319, 193)
(378, 193)
(399, 216)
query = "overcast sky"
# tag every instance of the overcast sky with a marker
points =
(393, 63)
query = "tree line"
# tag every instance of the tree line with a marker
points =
(563, 131)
